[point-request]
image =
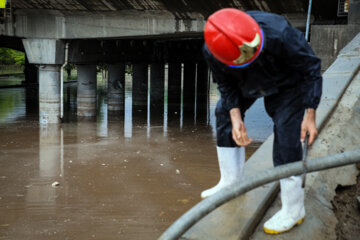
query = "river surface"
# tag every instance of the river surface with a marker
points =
(113, 177)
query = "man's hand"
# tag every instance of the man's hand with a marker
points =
(239, 133)
(308, 125)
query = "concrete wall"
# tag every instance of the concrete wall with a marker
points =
(328, 40)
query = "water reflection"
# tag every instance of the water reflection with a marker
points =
(41, 189)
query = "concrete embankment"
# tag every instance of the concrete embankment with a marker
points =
(338, 118)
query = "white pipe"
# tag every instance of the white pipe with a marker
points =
(62, 82)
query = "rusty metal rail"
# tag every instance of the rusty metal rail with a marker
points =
(186, 221)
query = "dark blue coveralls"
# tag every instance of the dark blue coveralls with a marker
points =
(286, 73)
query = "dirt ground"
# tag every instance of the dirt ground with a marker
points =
(347, 211)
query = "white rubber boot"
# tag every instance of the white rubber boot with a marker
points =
(231, 164)
(292, 211)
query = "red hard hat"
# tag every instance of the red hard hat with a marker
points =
(233, 37)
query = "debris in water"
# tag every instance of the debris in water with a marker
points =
(177, 171)
(183, 201)
(161, 164)
(55, 184)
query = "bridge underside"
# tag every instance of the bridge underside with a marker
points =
(76, 19)
(322, 9)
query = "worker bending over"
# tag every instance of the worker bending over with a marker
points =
(259, 54)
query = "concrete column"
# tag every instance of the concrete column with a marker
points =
(49, 94)
(116, 87)
(202, 92)
(189, 91)
(157, 93)
(139, 90)
(86, 92)
(49, 55)
(174, 90)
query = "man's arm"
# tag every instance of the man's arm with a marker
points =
(308, 125)
(239, 132)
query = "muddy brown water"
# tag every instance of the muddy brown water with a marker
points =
(113, 177)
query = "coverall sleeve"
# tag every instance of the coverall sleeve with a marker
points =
(227, 85)
(301, 58)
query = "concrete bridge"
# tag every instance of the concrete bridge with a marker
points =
(144, 34)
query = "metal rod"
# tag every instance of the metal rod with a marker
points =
(304, 160)
(62, 81)
(186, 221)
(308, 21)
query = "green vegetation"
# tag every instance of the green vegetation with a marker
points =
(11, 61)
(11, 57)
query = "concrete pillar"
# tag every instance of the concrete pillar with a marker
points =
(189, 91)
(139, 90)
(174, 90)
(49, 55)
(116, 87)
(202, 92)
(157, 83)
(86, 92)
(49, 94)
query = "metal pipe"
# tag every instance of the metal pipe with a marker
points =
(62, 82)
(186, 221)
(308, 21)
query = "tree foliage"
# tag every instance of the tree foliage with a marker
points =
(11, 57)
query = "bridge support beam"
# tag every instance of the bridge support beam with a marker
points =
(116, 87)
(48, 54)
(157, 93)
(139, 90)
(174, 90)
(86, 93)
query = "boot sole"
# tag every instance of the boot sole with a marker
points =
(271, 231)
